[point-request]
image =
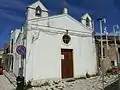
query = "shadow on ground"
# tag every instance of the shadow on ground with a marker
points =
(113, 86)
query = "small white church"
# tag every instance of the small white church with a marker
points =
(57, 46)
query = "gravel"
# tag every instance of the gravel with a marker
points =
(92, 83)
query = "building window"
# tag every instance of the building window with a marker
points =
(38, 11)
(66, 38)
(87, 22)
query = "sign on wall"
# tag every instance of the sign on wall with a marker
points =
(21, 50)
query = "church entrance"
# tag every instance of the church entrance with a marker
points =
(67, 63)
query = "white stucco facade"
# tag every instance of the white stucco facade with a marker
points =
(16, 36)
(43, 41)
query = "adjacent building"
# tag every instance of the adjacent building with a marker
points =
(7, 57)
(111, 50)
(15, 41)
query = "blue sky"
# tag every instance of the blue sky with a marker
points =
(12, 13)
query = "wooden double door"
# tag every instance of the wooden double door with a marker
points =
(67, 63)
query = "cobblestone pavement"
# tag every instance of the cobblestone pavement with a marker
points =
(5, 84)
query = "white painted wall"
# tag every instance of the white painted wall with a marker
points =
(47, 57)
(29, 56)
(16, 41)
(44, 54)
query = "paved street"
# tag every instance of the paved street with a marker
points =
(5, 84)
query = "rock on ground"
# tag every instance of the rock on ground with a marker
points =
(92, 83)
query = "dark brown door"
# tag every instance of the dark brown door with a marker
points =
(67, 63)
